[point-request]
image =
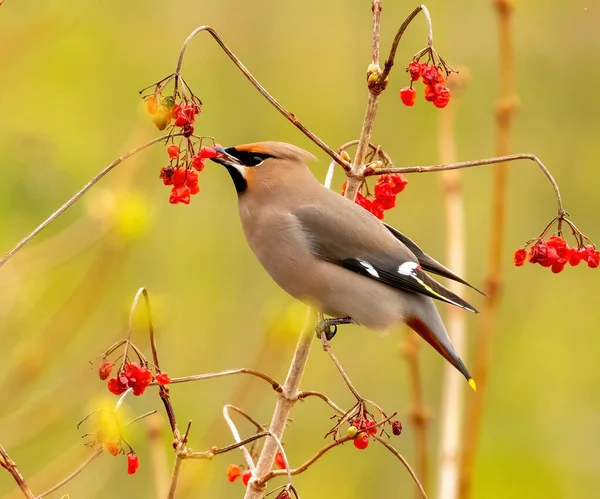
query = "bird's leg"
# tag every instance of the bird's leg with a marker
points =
(329, 326)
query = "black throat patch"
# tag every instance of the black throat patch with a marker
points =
(238, 179)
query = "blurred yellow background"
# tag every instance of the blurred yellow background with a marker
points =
(69, 76)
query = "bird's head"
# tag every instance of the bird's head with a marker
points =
(261, 163)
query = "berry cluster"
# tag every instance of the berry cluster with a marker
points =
(385, 191)
(130, 375)
(178, 112)
(434, 79)
(556, 253)
(361, 429)
(234, 471)
(179, 175)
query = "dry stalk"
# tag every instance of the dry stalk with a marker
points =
(453, 389)
(506, 109)
(9, 465)
(418, 414)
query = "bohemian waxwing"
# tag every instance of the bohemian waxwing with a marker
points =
(332, 254)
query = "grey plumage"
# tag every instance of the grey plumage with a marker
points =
(330, 253)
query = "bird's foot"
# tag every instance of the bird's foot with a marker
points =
(329, 326)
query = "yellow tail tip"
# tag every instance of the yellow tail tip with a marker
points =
(472, 384)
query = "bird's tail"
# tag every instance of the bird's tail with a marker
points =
(427, 323)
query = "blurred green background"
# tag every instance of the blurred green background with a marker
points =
(69, 76)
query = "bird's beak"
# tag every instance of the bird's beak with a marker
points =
(227, 160)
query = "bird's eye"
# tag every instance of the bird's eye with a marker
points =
(256, 160)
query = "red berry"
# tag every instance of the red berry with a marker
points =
(133, 463)
(398, 182)
(396, 427)
(104, 370)
(557, 267)
(430, 75)
(362, 441)
(188, 130)
(173, 151)
(180, 195)
(207, 152)
(178, 178)
(246, 476)
(576, 255)
(112, 447)
(233, 472)
(593, 256)
(370, 427)
(431, 92)
(562, 249)
(116, 386)
(520, 257)
(538, 252)
(194, 189)
(166, 174)
(198, 162)
(442, 97)
(191, 178)
(162, 379)
(415, 69)
(408, 96)
(280, 461)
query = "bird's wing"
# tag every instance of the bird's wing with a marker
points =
(428, 263)
(349, 236)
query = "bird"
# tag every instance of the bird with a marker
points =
(330, 253)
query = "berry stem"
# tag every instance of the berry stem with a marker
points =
(390, 60)
(81, 467)
(468, 164)
(290, 116)
(76, 198)
(9, 465)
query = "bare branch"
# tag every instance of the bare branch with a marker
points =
(304, 394)
(390, 60)
(404, 462)
(468, 164)
(9, 465)
(75, 198)
(284, 405)
(84, 465)
(290, 116)
(253, 372)
(307, 464)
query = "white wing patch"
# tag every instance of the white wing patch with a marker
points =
(408, 268)
(370, 269)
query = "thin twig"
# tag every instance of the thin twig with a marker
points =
(390, 60)
(506, 109)
(327, 348)
(290, 116)
(236, 436)
(404, 462)
(253, 372)
(304, 394)
(9, 465)
(300, 469)
(75, 198)
(468, 164)
(83, 465)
